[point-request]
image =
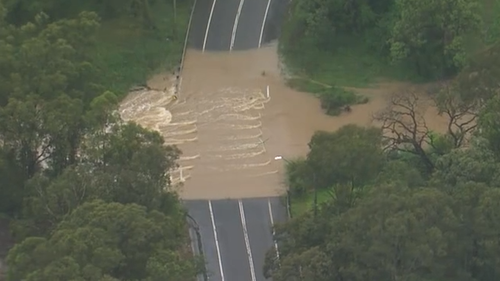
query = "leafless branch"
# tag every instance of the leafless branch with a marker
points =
(403, 124)
(461, 114)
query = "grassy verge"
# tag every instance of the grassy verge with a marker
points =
(127, 54)
(355, 65)
(305, 203)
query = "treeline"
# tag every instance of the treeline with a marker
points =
(435, 39)
(405, 202)
(88, 196)
(21, 11)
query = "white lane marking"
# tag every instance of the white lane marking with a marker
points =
(264, 22)
(208, 25)
(216, 239)
(268, 94)
(235, 26)
(247, 241)
(272, 223)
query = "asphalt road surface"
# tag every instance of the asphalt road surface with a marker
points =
(236, 234)
(225, 25)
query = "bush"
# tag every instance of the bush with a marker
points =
(297, 173)
(335, 100)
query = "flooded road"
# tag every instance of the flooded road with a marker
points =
(230, 127)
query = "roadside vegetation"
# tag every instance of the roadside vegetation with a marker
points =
(87, 196)
(358, 43)
(398, 201)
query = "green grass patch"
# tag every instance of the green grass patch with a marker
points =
(128, 54)
(353, 64)
(305, 203)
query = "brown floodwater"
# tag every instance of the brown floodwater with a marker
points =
(233, 116)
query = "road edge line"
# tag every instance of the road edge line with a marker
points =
(272, 227)
(183, 56)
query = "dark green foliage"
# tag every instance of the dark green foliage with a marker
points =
(359, 41)
(89, 196)
(334, 100)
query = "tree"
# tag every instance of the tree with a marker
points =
(402, 173)
(393, 233)
(477, 252)
(312, 264)
(352, 155)
(62, 147)
(475, 164)
(6, 56)
(128, 164)
(37, 132)
(49, 201)
(52, 59)
(489, 124)
(11, 184)
(101, 241)
(461, 111)
(136, 163)
(298, 174)
(432, 35)
(403, 125)
(479, 80)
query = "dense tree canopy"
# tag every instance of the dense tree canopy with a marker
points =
(89, 196)
(395, 228)
(105, 241)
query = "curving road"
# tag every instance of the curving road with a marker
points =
(235, 234)
(227, 25)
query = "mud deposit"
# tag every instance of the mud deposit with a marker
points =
(230, 127)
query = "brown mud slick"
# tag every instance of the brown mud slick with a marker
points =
(230, 128)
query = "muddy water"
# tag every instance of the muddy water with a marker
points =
(230, 127)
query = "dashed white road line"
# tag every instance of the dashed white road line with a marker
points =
(235, 26)
(208, 25)
(264, 22)
(216, 239)
(247, 241)
(272, 225)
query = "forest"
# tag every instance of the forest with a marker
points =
(82, 193)
(398, 200)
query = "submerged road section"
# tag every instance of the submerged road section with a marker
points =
(236, 234)
(222, 135)
(227, 25)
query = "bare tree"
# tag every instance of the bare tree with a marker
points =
(461, 113)
(404, 127)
